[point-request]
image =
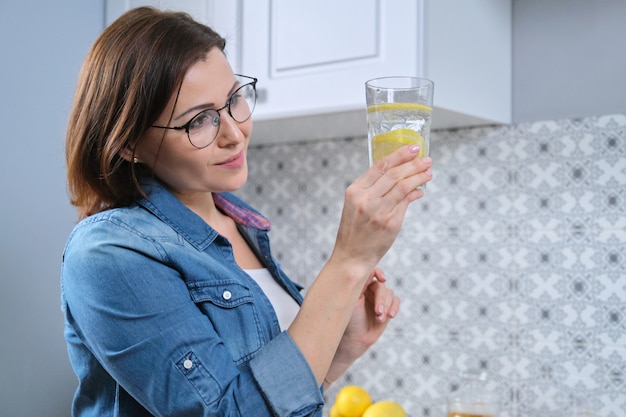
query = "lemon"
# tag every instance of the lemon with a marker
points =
(387, 142)
(385, 409)
(352, 401)
(334, 411)
(399, 106)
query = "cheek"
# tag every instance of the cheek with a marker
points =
(148, 147)
(162, 154)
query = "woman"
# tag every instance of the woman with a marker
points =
(174, 304)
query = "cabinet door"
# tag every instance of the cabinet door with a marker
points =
(469, 50)
(314, 57)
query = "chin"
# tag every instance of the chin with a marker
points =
(235, 183)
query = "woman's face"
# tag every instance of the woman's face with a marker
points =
(187, 170)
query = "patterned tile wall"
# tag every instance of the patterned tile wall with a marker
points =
(514, 262)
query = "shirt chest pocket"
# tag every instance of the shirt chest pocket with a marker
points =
(230, 307)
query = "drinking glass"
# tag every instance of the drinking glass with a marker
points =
(399, 112)
(472, 398)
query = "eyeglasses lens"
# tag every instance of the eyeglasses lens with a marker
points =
(203, 129)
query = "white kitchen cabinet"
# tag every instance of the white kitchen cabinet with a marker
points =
(468, 53)
(312, 58)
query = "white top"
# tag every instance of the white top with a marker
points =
(285, 307)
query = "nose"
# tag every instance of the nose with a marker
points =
(230, 131)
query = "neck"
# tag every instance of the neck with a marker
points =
(203, 205)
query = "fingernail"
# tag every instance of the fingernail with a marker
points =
(381, 309)
(392, 313)
(427, 159)
(414, 149)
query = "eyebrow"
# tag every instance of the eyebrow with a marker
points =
(204, 106)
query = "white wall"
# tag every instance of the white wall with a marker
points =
(42, 45)
(569, 58)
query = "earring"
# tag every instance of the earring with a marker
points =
(135, 160)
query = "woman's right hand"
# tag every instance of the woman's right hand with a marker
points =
(376, 203)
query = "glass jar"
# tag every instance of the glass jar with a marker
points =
(472, 398)
(581, 407)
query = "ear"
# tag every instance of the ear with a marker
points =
(127, 154)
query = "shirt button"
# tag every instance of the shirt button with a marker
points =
(188, 364)
(226, 295)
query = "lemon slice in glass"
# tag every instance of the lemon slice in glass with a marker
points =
(387, 142)
(372, 108)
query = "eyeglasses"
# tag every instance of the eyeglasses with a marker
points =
(203, 128)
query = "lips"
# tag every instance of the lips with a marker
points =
(234, 162)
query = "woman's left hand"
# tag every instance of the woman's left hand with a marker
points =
(375, 307)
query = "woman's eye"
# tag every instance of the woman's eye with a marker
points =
(203, 119)
(234, 99)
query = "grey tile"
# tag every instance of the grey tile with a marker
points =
(515, 260)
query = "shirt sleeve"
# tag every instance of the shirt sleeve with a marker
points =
(133, 312)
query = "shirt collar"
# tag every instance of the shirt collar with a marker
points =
(167, 207)
(240, 212)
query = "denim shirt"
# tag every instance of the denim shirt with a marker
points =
(160, 320)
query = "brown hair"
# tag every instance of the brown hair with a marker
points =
(131, 72)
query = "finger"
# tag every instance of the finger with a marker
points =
(372, 278)
(401, 181)
(388, 303)
(394, 309)
(389, 198)
(378, 170)
(398, 187)
(383, 299)
(379, 275)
